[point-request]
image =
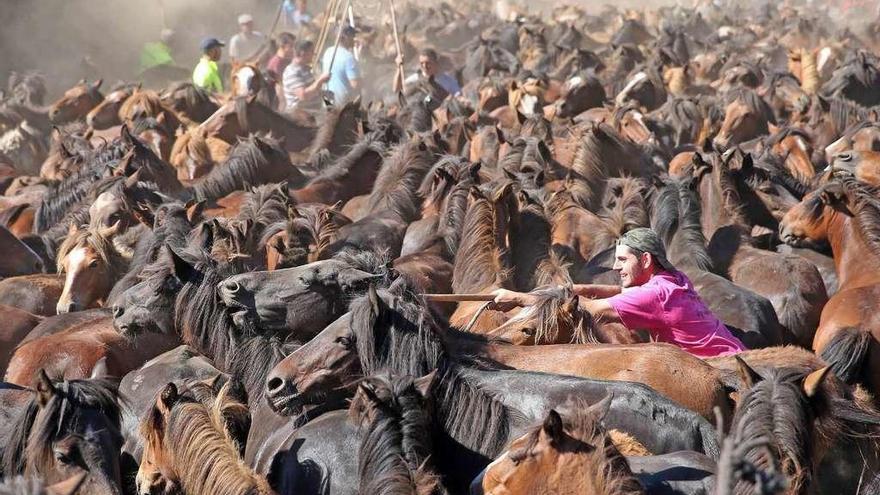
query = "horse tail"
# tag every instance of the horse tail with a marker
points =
(847, 353)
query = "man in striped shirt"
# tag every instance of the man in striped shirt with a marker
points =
(302, 91)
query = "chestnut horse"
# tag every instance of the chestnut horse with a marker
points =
(18, 258)
(106, 114)
(76, 102)
(194, 155)
(845, 214)
(191, 443)
(91, 265)
(245, 115)
(564, 454)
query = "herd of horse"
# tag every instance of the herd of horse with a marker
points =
(207, 296)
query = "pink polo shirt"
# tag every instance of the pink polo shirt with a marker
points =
(668, 307)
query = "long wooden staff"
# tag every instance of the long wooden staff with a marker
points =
(400, 73)
(329, 12)
(459, 297)
(335, 49)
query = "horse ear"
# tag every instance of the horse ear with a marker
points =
(749, 376)
(507, 173)
(72, 229)
(126, 135)
(546, 152)
(602, 407)
(425, 384)
(168, 397)
(834, 196)
(520, 117)
(814, 380)
(182, 269)
(132, 179)
(160, 119)
(553, 426)
(70, 486)
(95, 86)
(194, 211)
(373, 297)
(100, 368)
(474, 171)
(45, 389)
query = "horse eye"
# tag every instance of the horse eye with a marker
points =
(64, 456)
(93, 263)
(528, 332)
(343, 341)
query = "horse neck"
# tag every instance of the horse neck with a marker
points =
(482, 260)
(856, 263)
(719, 207)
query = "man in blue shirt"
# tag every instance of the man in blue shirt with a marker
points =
(345, 75)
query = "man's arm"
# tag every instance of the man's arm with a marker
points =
(596, 291)
(601, 310)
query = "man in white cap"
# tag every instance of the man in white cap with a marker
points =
(247, 45)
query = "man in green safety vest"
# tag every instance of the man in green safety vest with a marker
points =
(156, 53)
(206, 74)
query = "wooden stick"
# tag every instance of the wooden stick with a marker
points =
(277, 18)
(459, 297)
(329, 12)
(400, 72)
(329, 69)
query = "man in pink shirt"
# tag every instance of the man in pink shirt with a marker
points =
(652, 296)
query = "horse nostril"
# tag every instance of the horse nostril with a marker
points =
(232, 287)
(274, 385)
(118, 311)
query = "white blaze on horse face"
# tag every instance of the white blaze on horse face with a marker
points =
(104, 200)
(527, 105)
(76, 259)
(574, 82)
(836, 147)
(244, 76)
(621, 97)
(823, 58)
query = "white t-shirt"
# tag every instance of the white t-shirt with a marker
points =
(243, 46)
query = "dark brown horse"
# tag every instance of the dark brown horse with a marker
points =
(351, 175)
(339, 130)
(245, 115)
(106, 113)
(68, 427)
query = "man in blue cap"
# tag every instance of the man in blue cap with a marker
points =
(206, 74)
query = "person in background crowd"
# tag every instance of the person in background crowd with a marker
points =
(302, 91)
(206, 75)
(440, 84)
(283, 55)
(652, 296)
(295, 14)
(246, 46)
(156, 53)
(345, 75)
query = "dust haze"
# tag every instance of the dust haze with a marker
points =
(67, 40)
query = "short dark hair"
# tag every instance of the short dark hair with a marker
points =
(303, 47)
(430, 53)
(286, 38)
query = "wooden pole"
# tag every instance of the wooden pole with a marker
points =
(277, 18)
(400, 73)
(459, 297)
(329, 69)
(329, 12)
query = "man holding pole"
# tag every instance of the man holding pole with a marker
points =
(340, 63)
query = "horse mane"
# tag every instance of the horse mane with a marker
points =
(602, 147)
(785, 133)
(34, 430)
(676, 219)
(146, 99)
(553, 270)
(327, 131)
(530, 241)
(193, 95)
(265, 204)
(583, 424)
(686, 117)
(101, 245)
(396, 444)
(403, 337)
(550, 315)
(866, 211)
(629, 211)
(241, 105)
(204, 322)
(750, 98)
(343, 165)
(242, 167)
(481, 260)
(777, 410)
(208, 458)
(396, 187)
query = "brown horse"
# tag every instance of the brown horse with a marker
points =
(37, 294)
(73, 350)
(244, 115)
(568, 453)
(728, 207)
(18, 258)
(195, 155)
(351, 175)
(304, 237)
(845, 214)
(106, 114)
(192, 103)
(746, 116)
(482, 263)
(76, 102)
(91, 265)
(339, 130)
(16, 326)
(191, 446)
